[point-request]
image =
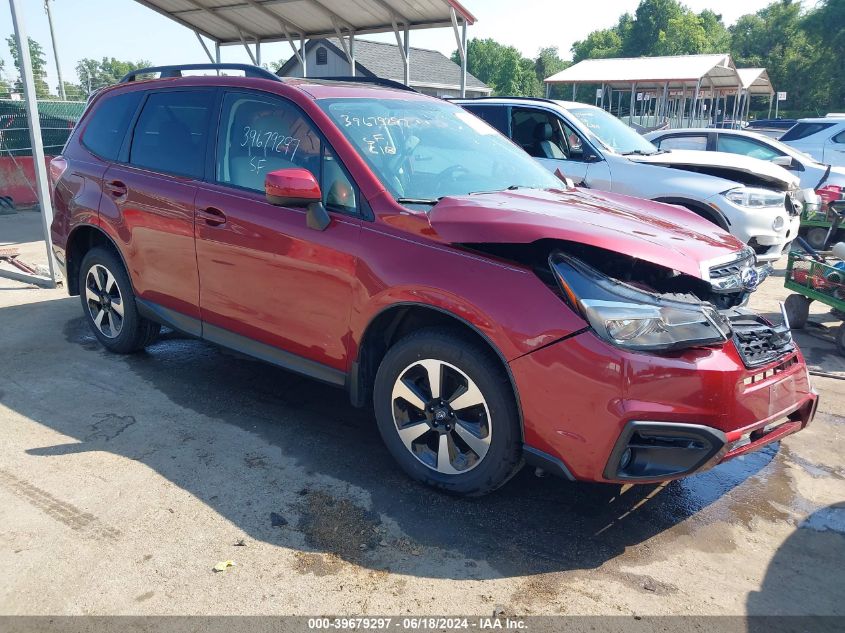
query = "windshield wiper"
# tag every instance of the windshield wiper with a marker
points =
(639, 152)
(417, 201)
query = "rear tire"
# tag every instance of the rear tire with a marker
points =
(463, 436)
(109, 304)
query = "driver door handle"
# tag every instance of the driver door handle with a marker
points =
(211, 216)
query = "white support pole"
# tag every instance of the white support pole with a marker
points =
(303, 58)
(257, 52)
(352, 52)
(205, 48)
(574, 88)
(633, 102)
(770, 106)
(694, 103)
(407, 56)
(461, 40)
(246, 46)
(55, 50)
(217, 52)
(403, 51)
(36, 142)
(665, 108)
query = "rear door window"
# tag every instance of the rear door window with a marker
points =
(171, 134)
(106, 129)
(687, 141)
(803, 130)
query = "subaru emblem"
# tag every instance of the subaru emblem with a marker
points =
(750, 278)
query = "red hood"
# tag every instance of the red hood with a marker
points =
(659, 233)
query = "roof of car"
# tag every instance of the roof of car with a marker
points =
(707, 130)
(823, 119)
(313, 87)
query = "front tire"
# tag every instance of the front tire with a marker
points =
(109, 304)
(446, 411)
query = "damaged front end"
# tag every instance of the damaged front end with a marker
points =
(644, 307)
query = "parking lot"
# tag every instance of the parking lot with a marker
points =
(125, 480)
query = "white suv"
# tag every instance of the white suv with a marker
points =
(822, 138)
(756, 201)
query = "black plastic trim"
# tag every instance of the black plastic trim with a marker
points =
(718, 444)
(551, 464)
(225, 338)
(171, 318)
(273, 355)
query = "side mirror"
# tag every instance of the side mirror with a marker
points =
(297, 187)
(783, 161)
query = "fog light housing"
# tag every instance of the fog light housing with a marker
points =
(778, 223)
(625, 460)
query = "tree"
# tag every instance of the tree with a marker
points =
(598, 45)
(825, 26)
(774, 38)
(38, 62)
(94, 74)
(501, 67)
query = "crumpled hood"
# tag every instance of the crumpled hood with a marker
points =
(659, 233)
(723, 163)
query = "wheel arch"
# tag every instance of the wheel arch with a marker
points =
(398, 320)
(699, 208)
(81, 240)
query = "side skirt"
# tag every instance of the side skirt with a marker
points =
(225, 338)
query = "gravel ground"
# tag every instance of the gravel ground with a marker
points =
(125, 480)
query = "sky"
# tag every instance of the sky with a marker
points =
(129, 31)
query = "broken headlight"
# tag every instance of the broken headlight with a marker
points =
(634, 318)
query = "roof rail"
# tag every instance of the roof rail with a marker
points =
(378, 81)
(543, 99)
(176, 71)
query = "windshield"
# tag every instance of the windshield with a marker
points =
(423, 150)
(612, 132)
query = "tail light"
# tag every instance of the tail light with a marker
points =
(57, 167)
(829, 193)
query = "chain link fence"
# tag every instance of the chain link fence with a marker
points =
(57, 120)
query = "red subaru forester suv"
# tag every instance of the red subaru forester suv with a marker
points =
(397, 246)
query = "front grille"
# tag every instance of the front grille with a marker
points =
(744, 260)
(759, 342)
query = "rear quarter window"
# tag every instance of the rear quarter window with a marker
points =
(803, 130)
(106, 128)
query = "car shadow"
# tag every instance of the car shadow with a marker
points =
(531, 525)
(813, 555)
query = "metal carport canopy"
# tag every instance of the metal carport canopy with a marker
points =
(717, 70)
(229, 21)
(255, 22)
(756, 81)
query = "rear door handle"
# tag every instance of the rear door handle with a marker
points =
(117, 188)
(211, 216)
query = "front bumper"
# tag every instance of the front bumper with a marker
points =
(584, 402)
(754, 227)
